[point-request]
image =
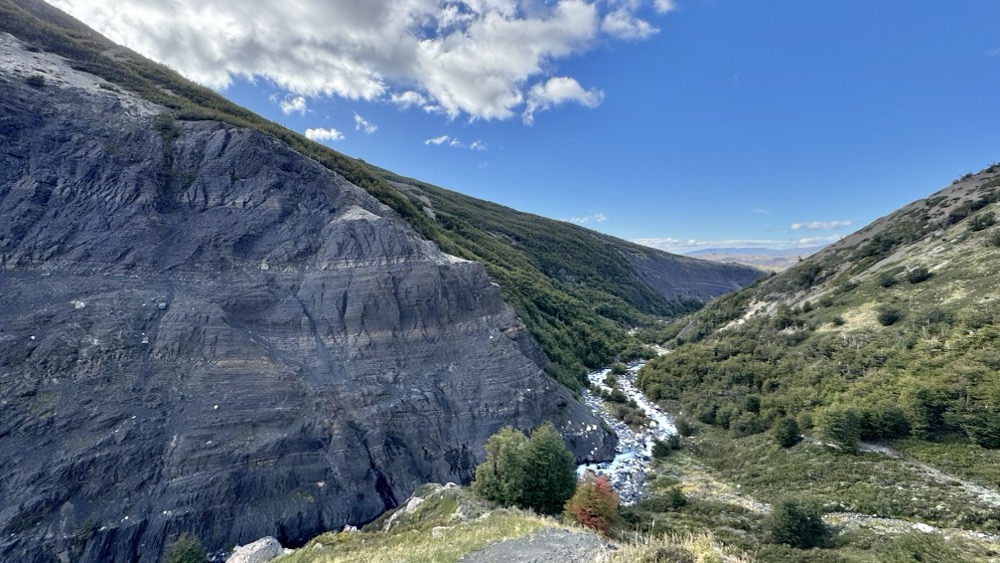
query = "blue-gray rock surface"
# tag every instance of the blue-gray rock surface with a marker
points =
(203, 331)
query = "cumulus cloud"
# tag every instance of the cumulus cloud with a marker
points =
(479, 58)
(623, 25)
(293, 105)
(595, 218)
(821, 225)
(362, 124)
(448, 141)
(324, 134)
(556, 91)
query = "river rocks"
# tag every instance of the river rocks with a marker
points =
(265, 349)
(633, 455)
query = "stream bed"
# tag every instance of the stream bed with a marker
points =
(634, 454)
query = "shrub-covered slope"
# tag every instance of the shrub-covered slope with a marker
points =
(575, 289)
(893, 331)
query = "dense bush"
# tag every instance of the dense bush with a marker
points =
(888, 316)
(982, 221)
(35, 81)
(187, 549)
(794, 523)
(786, 432)
(594, 504)
(918, 274)
(840, 426)
(538, 473)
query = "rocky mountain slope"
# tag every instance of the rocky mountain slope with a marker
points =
(209, 324)
(889, 333)
(203, 330)
(574, 289)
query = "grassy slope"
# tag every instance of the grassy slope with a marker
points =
(574, 288)
(821, 337)
(815, 342)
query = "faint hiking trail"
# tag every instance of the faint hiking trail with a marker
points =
(985, 494)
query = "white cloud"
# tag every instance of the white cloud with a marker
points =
(477, 58)
(324, 134)
(556, 91)
(993, 52)
(664, 6)
(821, 225)
(454, 142)
(409, 99)
(362, 124)
(680, 246)
(293, 105)
(595, 217)
(623, 25)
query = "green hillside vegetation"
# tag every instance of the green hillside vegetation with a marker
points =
(892, 333)
(573, 288)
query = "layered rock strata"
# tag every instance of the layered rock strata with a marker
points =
(202, 330)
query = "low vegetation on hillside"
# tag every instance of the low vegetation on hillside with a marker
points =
(893, 336)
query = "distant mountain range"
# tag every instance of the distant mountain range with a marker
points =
(773, 259)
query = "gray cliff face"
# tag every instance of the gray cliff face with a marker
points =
(685, 278)
(202, 330)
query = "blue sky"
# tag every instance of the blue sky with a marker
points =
(684, 124)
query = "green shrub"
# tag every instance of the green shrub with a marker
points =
(888, 316)
(887, 280)
(786, 432)
(35, 81)
(982, 221)
(667, 502)
(840, 426)
(661, 449)
(796, 524)
(187, 549)
(918, 274)
(684, 426)
(618, 369)
(747, 424)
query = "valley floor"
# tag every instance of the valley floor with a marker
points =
(908, 500)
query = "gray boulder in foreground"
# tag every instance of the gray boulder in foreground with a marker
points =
(203, 331)
(260, 551)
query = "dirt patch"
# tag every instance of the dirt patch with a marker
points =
(551, 545)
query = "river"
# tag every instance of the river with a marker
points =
(627, 471)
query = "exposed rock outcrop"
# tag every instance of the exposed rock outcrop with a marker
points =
(260, 551)
(201, 330)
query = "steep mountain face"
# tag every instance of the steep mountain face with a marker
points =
(575, 290)
(891, 332)
(202, 330)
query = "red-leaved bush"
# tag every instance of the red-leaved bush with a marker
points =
(594, 504)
